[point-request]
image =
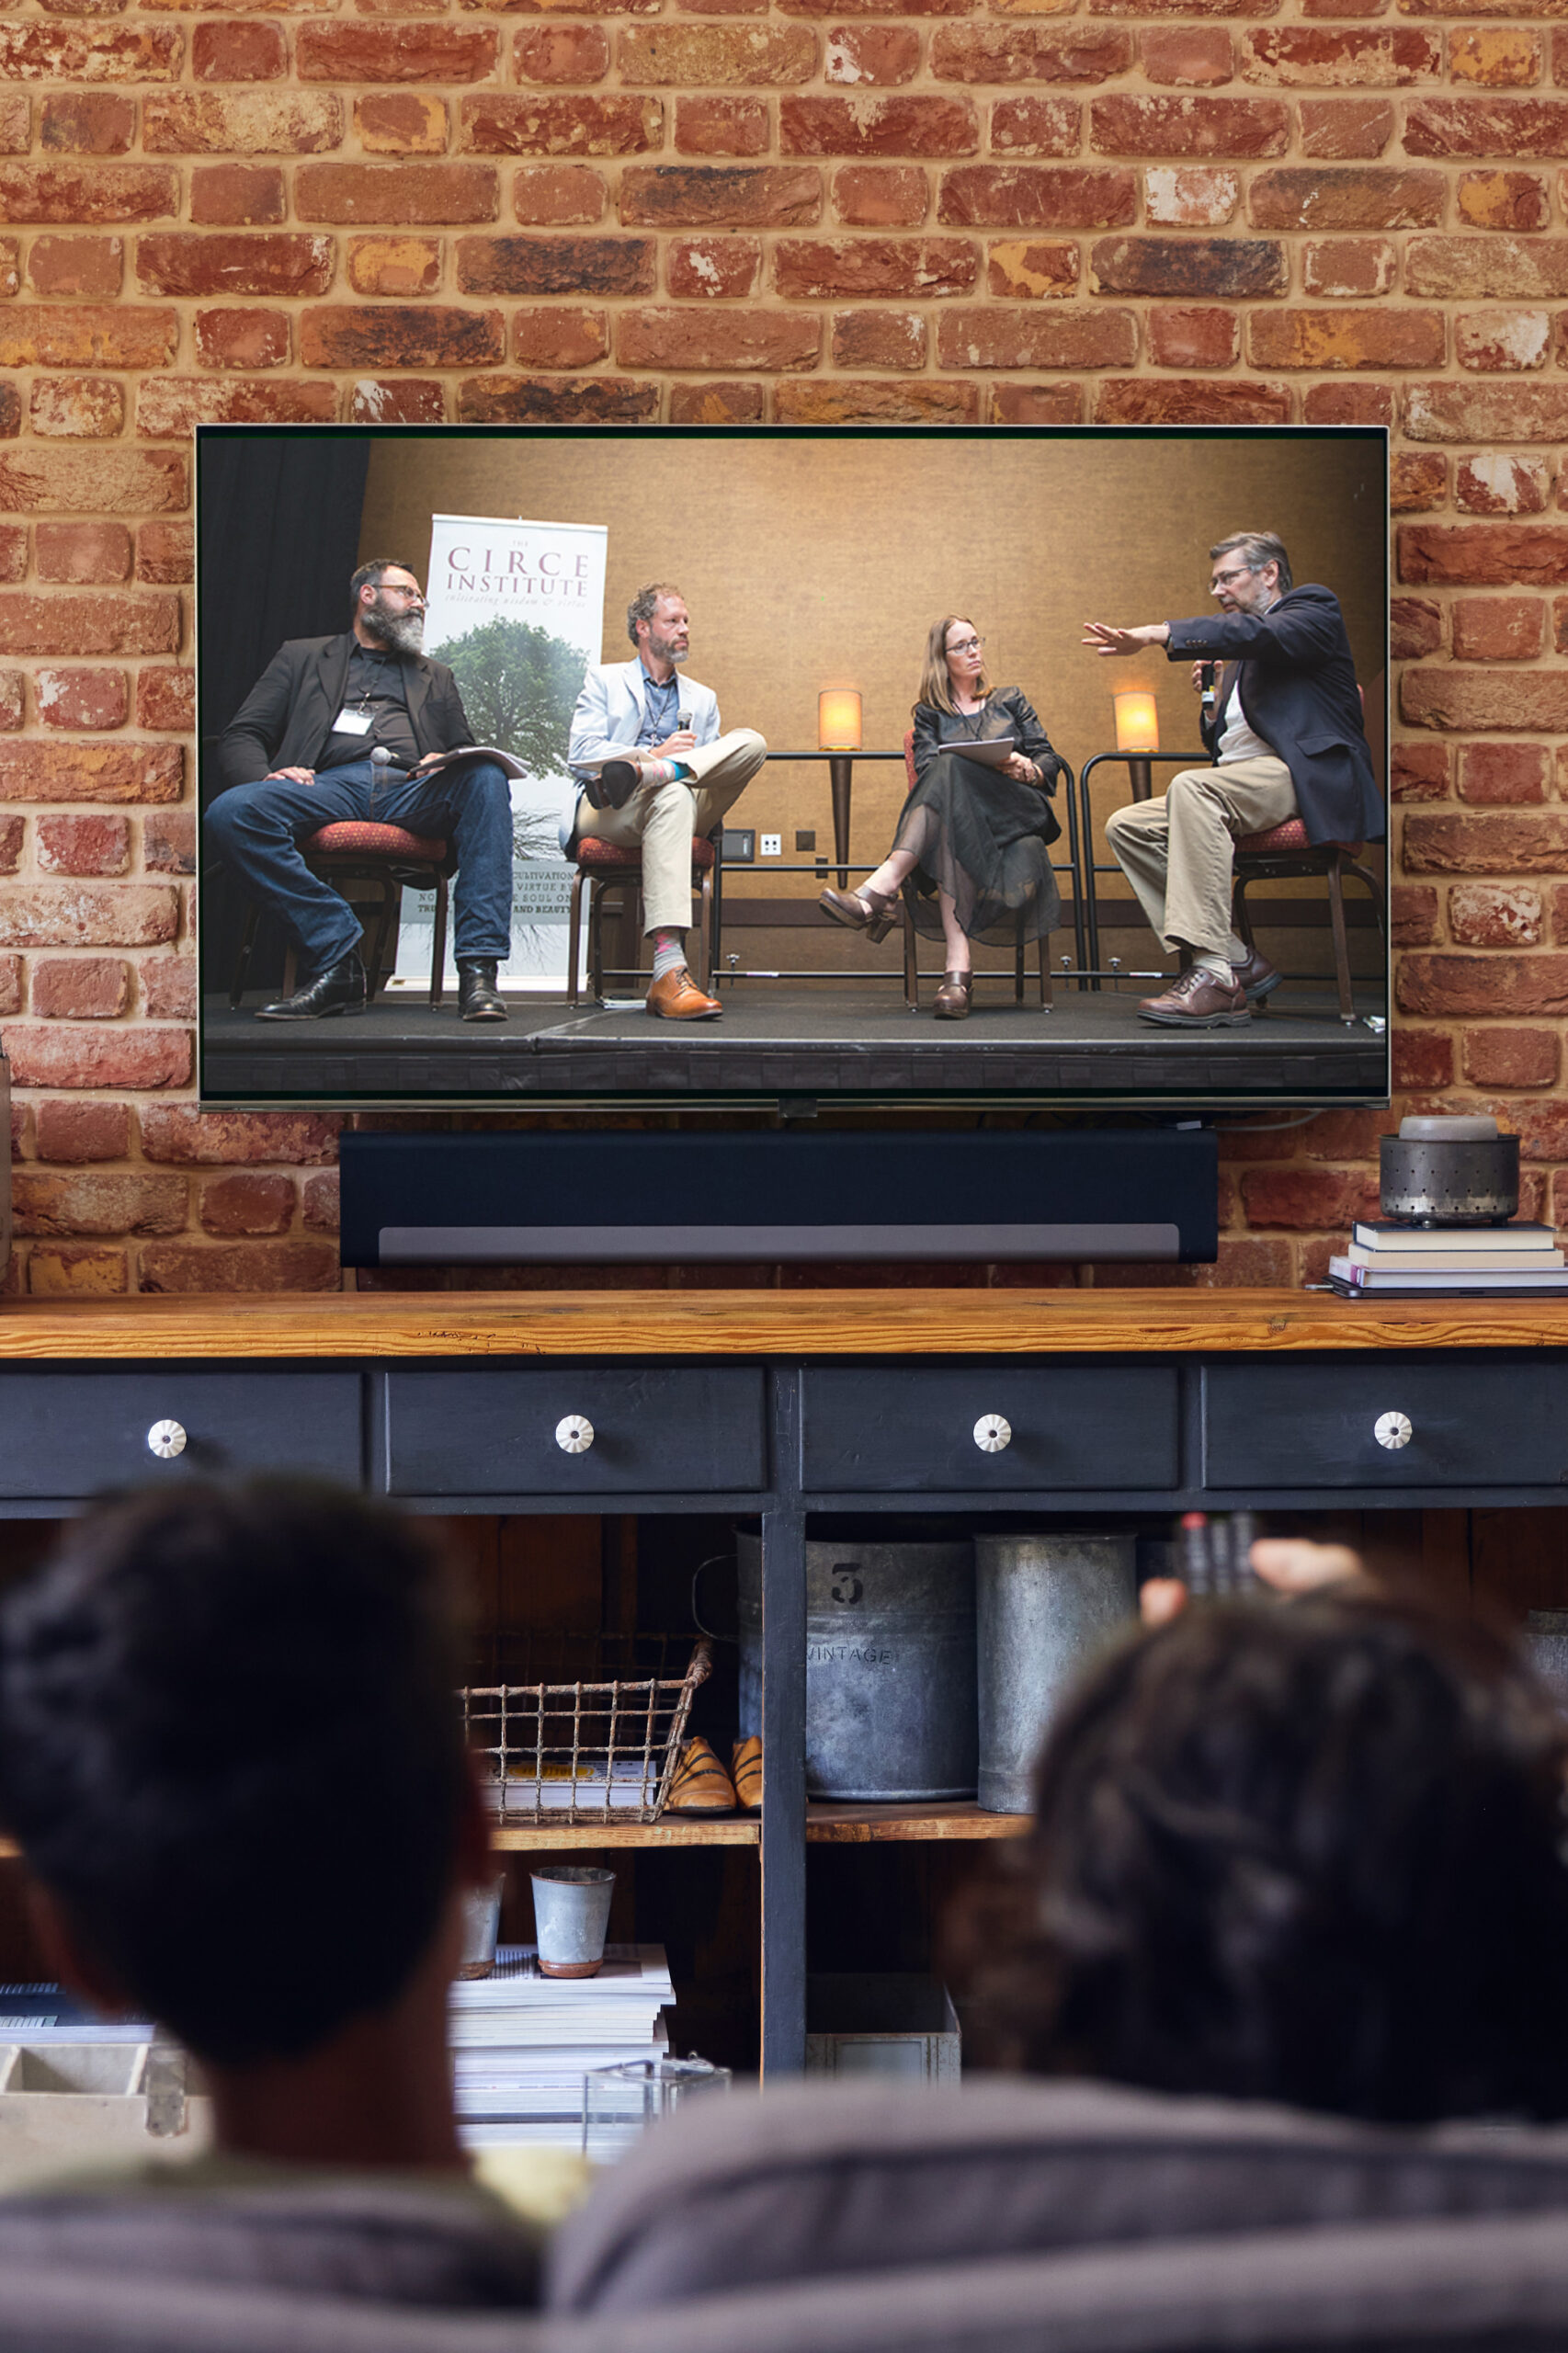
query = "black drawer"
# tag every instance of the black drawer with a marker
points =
(1073, 1427)
(72, 1434)
(671, 1431)
(1496, 1421)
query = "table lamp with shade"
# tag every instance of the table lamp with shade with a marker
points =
(1138, 733)
(838, 734)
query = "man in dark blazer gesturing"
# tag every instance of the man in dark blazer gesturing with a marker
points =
(343, 728)
(1287, 737)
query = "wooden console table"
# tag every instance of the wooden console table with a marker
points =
(777, 1406)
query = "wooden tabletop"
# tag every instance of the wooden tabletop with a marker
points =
(760, 1322)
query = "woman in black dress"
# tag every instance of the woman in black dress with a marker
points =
(972, 853)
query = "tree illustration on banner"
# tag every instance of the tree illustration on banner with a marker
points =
(518, 685)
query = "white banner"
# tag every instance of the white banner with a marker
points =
(514, 608)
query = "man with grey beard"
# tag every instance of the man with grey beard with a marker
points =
(345, 728)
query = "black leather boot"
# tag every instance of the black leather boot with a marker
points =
(479, 999)
(342, 988)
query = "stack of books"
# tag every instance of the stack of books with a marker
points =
(1392, 1260)
(522, 2042)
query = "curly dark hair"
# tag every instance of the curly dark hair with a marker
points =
(1311, 1854)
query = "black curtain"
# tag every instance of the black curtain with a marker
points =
(280, 536)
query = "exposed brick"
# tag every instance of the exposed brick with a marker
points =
(90, 267)
(238, 52)
(394, 266)
(559, 336)
(874, 196)
(76, 1132)
(77, 408)
(1494, 56)
(550, 196)
(1413, 914)
(1450, 269)
(98, 624)
(12, 830)
(87, 195)
(1415, 627)
(864, 127)
(92, 481)
(1306, 1198)
(1423, 1059)
(236, 195)
(563, 53)
(1189, 196)
(1419, 772)
(1494, 914)
(1225, 268)
(1559, 624)
(248, 1202)
(67, 915)
(80, 988)
(1055, 337)
(402, 122)
(1032, 269)
(569, 400)
(242, 338)
(383, 52)
(96, 123)
(84, 698)
(1477, 699)
(1499, 1057)
(82, 552)
(389, 335)
(319, 1202)
(709, 55)
(168, 987)
(1185, 56)
(1019, 52)
(556, 265)
(1534, 554)
(1514, 200)
(1511, 128)
(169, 407)
(166, 698)
(395, 195)
(1322, 200)
(1037, 126)
(878, 56)
(1133, 126)
(708, 126)
(1325, 339)
(713, 269)
(879, 338)
(1499, 342)
(75, 1270)
(401, 400)
(501, 125)
(180, 1134)
(45, 1055)
(848, 400)
(1502, 843)
(1339, 128)
(847, 266)
(1499, 775)
(168, 837)
(1318, 57)
(1442, 412)
(1188, 337)
(693, 196)
(47, 335)
(175, 263)
(1498, 628)
(688, 340)
(120, 772)
(16, 123)
(12, 551)
(720, 403)
(1347, 266)
(1058, 403)
(997, 196)
(136, 1203)
(1178, 400)
(95, 53)
(194, 1268)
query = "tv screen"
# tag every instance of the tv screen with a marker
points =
(662, 870)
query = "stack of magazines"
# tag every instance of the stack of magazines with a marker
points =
(1391, 1261)
(522, 2042)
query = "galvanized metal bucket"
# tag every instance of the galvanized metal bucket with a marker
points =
(889, 1667)
(1044, 1606)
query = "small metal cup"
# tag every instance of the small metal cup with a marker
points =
(571, 1914)
(481, 1926)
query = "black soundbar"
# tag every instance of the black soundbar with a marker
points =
(511, 1199)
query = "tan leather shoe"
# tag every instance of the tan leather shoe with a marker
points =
(1197, 1001)
(954, 998)
(745, 1771)
(701, 1784)
(863, 910)
(678, 998)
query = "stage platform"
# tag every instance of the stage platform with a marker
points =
(784, 1039)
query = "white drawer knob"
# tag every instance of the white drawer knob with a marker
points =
(165, 1439)
(991, 1433)
(574, 1434)
(1393, 1430)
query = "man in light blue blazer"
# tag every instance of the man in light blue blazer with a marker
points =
(655, 770)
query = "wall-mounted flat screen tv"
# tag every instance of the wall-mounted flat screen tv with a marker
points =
(584, 766)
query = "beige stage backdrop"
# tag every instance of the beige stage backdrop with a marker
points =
(821, 562)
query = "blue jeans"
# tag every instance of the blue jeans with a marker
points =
(257, 829)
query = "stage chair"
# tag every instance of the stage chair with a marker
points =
(357, 851)
(603, 866)
(910, 965)
(1283, 853)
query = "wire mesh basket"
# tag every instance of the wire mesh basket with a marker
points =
(581, 1751)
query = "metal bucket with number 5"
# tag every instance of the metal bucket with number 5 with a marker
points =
(890, 1709)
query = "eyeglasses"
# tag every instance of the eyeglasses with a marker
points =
(396, 588)
(967, 645)
(1237, 572)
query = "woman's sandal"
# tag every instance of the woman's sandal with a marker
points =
(861, 910)
(954, 997)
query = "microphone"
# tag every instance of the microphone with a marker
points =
(683, 719)
(1207, 672)
(380, 758)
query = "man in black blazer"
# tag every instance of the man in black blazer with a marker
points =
(1286, 732)
(341, 728)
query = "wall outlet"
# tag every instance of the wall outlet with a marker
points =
(772, 846)
(806, 840)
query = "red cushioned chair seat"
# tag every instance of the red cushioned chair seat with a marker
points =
(609, 858)
(356, 836)
(1291, 834)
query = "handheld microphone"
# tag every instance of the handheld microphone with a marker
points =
(380, 758)
(1207, 672)
(683, 719)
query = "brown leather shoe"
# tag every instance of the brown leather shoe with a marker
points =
(745, 1771)
(865, 911)
(1256, 976)
(678, 998)
(1197, 1001)
(954, 997)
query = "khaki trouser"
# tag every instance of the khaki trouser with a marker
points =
(1175, 851)
(665, 817)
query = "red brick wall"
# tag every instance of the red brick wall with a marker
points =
(1107, 210)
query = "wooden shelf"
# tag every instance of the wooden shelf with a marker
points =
(851, 1825)
(859, 1826)
(674, 1830)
